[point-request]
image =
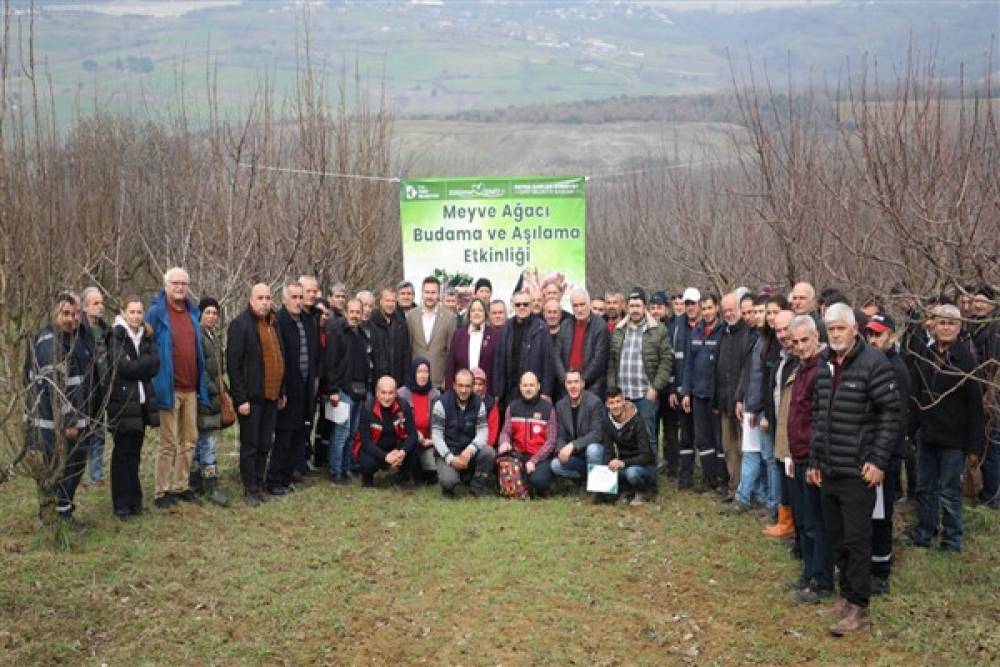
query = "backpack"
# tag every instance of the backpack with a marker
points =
(512, 477)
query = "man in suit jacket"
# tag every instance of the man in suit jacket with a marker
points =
(431, 327)
(580, 418)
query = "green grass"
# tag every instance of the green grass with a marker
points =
(345, 575)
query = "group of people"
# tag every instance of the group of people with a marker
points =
(804, 408)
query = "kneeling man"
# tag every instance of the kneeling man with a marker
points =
(627, 449)
(529, 432)
(458, 431)
(388, 436)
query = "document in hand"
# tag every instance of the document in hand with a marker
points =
(601, 479)
(339, 414)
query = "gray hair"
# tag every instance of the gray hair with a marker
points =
(947, 311)
(803, 321)
(364, 295)
(174, 270)
(87, 292)
(840, 312)
(287, 285)
(579, 291)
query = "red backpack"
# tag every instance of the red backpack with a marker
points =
(512, 478)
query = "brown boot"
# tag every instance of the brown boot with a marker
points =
(856, 620)
(784, 527)
(839, 608)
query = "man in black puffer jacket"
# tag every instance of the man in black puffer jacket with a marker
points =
(855, 426)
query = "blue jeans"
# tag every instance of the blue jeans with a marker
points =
(940, 483)
(342, 438)
(750, 488)
(576, 467)
(632, 478)
(95, 454)
(204, 449)
(990, 495)
(649, 411)
(773, 470)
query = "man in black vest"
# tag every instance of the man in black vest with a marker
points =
(459, 430)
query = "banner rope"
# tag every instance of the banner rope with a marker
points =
(397, 179)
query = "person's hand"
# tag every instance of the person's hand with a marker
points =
(739, 411)
(334, 399)
(616, 464)
(686, 404)
(71, 433)
(764, 424)
(752, 420)
(972, 460)
(651, 394)
(565, 453)
(503, 448)
(529, 467)
(789, 468)
(872, 474)
(244, 409)
(282, 402)
(672, 401)
(460, 462)
(814, 477)
(546, 397)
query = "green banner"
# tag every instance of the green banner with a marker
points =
(461, 229)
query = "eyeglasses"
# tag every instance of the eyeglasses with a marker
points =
(521, 304)
(179, 283)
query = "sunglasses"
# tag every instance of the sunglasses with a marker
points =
(521, 304)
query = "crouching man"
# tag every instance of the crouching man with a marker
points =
(459, 430)
(626, 449)
(387, 436)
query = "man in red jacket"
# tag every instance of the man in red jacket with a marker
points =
(529, 432)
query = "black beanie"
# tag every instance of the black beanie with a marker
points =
(208, 302)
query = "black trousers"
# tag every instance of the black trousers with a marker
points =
(126, 490)
(288, 453)
(707, 442)
(371, 465)
(256, 436)
(321, 441)
(670, 424)
(76, 463)
(847, 513)
(882, 528)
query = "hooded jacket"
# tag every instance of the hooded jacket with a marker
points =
(132, 401)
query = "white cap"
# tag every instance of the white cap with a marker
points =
(692, 294)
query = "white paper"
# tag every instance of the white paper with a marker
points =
(879, 511)
(338, 414)
(602, 479)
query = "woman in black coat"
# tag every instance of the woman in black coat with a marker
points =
(132, 407)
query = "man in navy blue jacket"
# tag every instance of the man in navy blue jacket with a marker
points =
(699, 392)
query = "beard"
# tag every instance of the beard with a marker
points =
(839, 347)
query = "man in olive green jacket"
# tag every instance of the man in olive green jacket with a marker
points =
(640, 361)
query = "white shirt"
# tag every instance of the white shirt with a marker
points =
(428, 319)
(475, 345)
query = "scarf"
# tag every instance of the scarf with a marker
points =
(136, 337)
(412, 380)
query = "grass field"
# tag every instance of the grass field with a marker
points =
(349, 576)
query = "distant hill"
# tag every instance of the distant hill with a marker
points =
(453, 58)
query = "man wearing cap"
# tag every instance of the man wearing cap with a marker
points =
(855, 427)
(640, 361)
(680, 333)
(582, 343)
(880, 332)
(949, 413)
(699, 395)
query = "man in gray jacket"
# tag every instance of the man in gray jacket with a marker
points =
(579, 416)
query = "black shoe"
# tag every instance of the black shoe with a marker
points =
(123, 514)
(187, 496)
(278, 490)
(367, 482)
(949, 548)
(912, 541)
(250, 499)
(795, 585)
(340, 480)
(734, 507)
(265, 497)
(477, 490)
(810, 595)
(447, 493)
(164, 502)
